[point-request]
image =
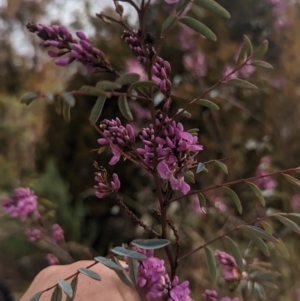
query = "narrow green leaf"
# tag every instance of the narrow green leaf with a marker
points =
(202, 200)
(123, 274)
(271, 285)
(57, 294)
(74, 284)
(68, 98)
(200, 167)
(257, 192)
(259, 290)
(248, 45)
(129, 253)
(240, 83)
(194, 130)
(221, 165)
(97, 109)
(89, 273)
(235, 252)
(235, 199)
(169, 23)
(260, 244)
(287, 222)
(29, 97)
(262, 64)
(108, 263)
(281, 248)
(292, 180)
(262, 49)
(58, 102)
(66, 111)
(211, 263)
(108, 85)
(143, 84)
(127, 78)
(198, 27)
(36, 296)
(90, 90)
(250, 287)
(189, 176)
(242, 55)
(66, 287)
(267, 227)
(102, 149)
(182, 4)
(208, 104)
(213, 6)
(124, 108)
(133, 270)
(295, 217)
(150, 244)
(49, 97)
(185, 113)
(255, 231)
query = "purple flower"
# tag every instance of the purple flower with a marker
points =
(231, 271)
(265, 183)
(52, 259)
(195, 63)
(210, 295)
(57, 233)
(295, 203)
(21, 204)
(178, 292)
(33, 234)
(103, 188)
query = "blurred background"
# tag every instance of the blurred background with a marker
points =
(257, 131)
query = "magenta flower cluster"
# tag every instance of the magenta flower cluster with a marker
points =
(231, 271)
(266, 183)
(152, 276)
(33, 234)
(174, 147)
(52, 259)
(103, 188)
(160, 70)
(22, 203)
(211, 295)
(82, 51)
(57, 233)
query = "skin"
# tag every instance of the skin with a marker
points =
(109, 288)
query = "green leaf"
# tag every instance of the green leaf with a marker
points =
(169, 23)
(133, 270)
(221, 165)
(257, 192)
(194, 130)
(68, 98)
(293, 216)
(235, 199)
(242, 55)
(267, 227)
(129, 253)
(255, 231)
(208, 104)
(211, 263)
(29, 97)
(240, 83)
(128, 78)
(189, 176)
(202, 200)
(66, 112)
(49, 97)
(292, 180)
(182, 4)
(250, 287)
(66, 287)
(74, 283)
(143, 84)
(262, 49)
(235, 252)
(281, 248)
(185, 113)
(57, 294)
(198, 27)
(124, 108)
(271, 285)
(259, 290)
(213, 6)
(108, 263)
(97, 109)
(36, 296)
(89, 90)
(123, 274)
(260, 244)
(108, 85)
(58, 102)
(150, 244)
(89, 273)
(200, 167)
(262, 64)
(287, 222)
(248, 45)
